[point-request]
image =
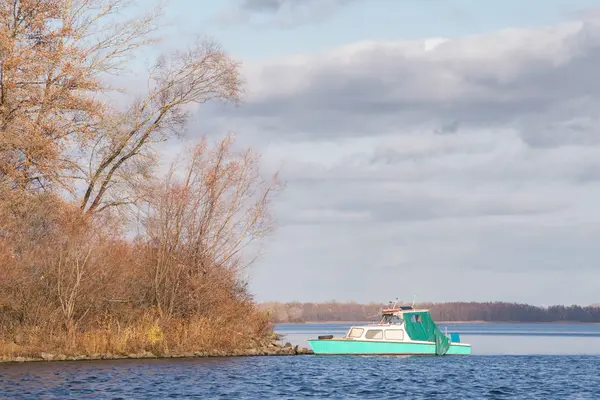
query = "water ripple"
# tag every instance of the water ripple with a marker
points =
(474, 377)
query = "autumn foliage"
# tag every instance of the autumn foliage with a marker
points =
(99, 252)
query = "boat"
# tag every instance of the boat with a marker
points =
(401, 331)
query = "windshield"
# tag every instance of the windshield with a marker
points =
(391, 319)
(355, 333)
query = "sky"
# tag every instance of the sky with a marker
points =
(443, 150)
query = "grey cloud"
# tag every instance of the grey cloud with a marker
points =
(284, 13)
(272, 6)
(468, 158)
(262, 5)
(473, 81)
(447, 128)
(516, 262)
(479, 157)
(424, 208)
(366, 203)
(548, 250)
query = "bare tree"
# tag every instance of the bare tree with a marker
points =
(53, 56)
(199, 225)
(71, 268)
(121, 157)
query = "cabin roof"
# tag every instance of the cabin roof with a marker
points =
(404, 310)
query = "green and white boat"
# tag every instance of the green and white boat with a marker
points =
(401, 331)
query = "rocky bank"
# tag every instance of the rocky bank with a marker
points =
(272, 349)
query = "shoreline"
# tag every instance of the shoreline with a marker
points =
(274, 349)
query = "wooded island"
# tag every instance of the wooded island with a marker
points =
(102, 252)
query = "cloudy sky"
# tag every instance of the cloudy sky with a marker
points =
(443, 149)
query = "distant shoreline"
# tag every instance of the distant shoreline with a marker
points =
(448, 313)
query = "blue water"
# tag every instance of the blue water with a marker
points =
(538, 362)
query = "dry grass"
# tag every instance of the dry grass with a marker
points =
(149, 334)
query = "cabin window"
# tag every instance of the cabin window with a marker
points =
(415, 318)
(394, 334)
(374, 334)
(355, 332)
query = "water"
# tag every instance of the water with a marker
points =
(509, 361)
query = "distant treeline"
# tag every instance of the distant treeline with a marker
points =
(453, 311)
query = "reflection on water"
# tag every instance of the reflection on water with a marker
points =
(486, 339)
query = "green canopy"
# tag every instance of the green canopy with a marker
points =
(420, 326)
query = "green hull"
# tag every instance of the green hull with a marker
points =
(363, 347)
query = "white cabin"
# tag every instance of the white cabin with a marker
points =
(390, 328)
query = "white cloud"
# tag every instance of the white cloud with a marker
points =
(506, 77)
(470, 167)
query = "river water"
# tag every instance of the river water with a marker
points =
(509, 361)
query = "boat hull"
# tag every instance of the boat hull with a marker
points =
(364, 347)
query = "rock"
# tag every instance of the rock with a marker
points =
(61, 357)
(302, 350)
(146, 354)
(287, 344)
(47, 356)
(284, 351)
(251, 352)
(20, 359)
(266, 351)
